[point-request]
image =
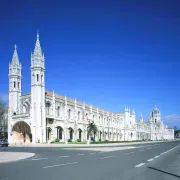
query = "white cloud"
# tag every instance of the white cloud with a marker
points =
(172, 120)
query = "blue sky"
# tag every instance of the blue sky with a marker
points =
(107, 53)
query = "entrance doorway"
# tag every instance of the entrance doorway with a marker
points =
(21, 132)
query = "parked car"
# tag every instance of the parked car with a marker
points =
(4, 142)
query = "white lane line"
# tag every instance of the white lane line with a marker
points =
(141, 150)
(130, 153)
(156, 156)
(150, 159)
(38, 159)
(63, 156)
(107, 157)
(139, 165)
(60, 165)
(93, 153)
(80, 154)
(169, 150)
(148, 148)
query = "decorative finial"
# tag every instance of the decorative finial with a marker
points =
(125, 108)
(37, 34)
(15, 47)
(133, 111)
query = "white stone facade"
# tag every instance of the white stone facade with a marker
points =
(43, 116)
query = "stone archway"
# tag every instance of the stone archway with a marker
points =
(49, 134)
(21, 132)
(59, 132)
(79, 134)
(71, 131)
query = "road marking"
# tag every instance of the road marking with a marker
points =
(150, 159)
(63, 156)
(169, 150)
(38, 159)
(93, 153)
(156, 156)
(130, 153)
(139, 165)
(141, 150)
(148, 148)
(107, 157)
(80, 154)
(60, 165)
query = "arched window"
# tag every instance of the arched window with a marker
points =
(18, 84)
(93, 118)
(26, 107)
(14, 84)
(58, 111)
(48, 105)
(78, 115)
(86, 116)
(69, 113)
(37, 77)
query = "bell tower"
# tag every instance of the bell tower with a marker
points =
(38, 118)
(15, 78)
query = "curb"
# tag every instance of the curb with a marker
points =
(30, 155)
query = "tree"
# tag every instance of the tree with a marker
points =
(92, 129)
(175, 128)
(3, 118)
(2, 108)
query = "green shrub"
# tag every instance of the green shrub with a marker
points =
(78, 140)
(69, 140)
(57, 140)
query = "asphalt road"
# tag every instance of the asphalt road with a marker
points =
(144, 162)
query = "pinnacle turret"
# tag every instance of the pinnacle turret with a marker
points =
(15, 65)
(133, 111)
(15, 58)
(141, 117)
(37, 58)
(37, 49)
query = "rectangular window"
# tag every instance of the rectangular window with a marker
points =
(37, 77)
(14, 84)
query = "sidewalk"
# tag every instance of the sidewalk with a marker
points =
(14, 156)
(82, 145)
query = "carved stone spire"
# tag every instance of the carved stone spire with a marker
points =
(37, 58)
(133, 111)
(37, 49)
(15, 65)
(15, 59)
(141, 117)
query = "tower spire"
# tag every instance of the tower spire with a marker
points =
(37, 49)
(15, 58)
(141, 117)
